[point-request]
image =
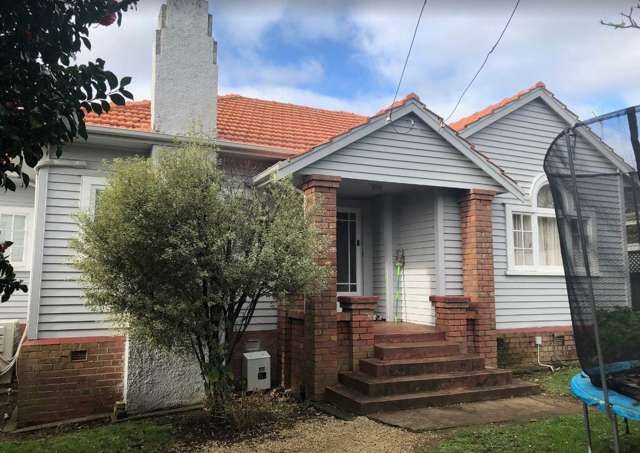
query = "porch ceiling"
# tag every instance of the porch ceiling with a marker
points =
(355, 189)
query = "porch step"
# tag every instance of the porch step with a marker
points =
(413, 367)
(359, 403)
(416, 337)
(415, 350)
(381, 386)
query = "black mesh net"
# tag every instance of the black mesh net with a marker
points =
(592, 170)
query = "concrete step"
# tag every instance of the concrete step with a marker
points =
(356, 402)
(416, 337)
(381, 386)
(418, 350)
(413, 367)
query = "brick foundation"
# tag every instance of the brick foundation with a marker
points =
(54, 384)
(359, 331)
(517, 347)
(320, 319)
(478, 272)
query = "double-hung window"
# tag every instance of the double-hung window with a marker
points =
(533, 240)
(15, 226)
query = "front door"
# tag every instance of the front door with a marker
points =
(348, 256)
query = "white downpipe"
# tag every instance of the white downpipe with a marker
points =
(553, 370)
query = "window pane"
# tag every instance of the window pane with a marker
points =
(545, 199)
(522, 240)
(549, 242)
(5, 227)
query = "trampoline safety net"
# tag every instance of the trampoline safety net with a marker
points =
(596, 196)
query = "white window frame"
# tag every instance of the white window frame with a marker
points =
(535, 212)
(359, 255)
(25, 264)
(90, 185)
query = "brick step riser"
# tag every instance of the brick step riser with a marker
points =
(426, 385)
(409, 337)
(423, 352)
(347, 403)
(413, 369)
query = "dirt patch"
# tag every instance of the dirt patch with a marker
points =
(323, 433)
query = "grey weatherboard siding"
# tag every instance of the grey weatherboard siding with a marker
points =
(518, 143)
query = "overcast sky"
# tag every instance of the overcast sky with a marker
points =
(347, 55)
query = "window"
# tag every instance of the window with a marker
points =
(533, 240)
(92, 186)
(15, 224)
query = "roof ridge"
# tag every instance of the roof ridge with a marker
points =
(465, 121)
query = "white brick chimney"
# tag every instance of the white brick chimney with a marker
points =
(185, 70)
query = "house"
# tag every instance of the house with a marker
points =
(446, 228)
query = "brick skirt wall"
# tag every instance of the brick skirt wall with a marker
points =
(517, 347)
(66, 378)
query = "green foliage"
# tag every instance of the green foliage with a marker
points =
(181, 255)
(619, 334)
(554, 384)
(44, 95)
(8, 282)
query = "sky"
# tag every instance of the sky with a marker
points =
(348, 55)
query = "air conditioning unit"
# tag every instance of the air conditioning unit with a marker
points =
(256, 370)
(8, 329)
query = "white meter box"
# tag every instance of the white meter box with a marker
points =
(256, 370)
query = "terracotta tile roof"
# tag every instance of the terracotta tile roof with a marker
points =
(468, 120)
(289, 126)
(253, 121)
(133, 115)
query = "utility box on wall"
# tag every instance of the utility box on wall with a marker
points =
(256, 370)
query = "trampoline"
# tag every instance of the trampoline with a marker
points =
(592, 169)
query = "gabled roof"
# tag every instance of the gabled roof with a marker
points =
(409, 105)
(490, 109)
(472, 124)
(240, 119)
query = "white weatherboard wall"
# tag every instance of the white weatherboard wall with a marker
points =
(432, 248)
(518, 143)
(16, 307)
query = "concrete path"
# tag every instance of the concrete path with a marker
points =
(480, 413)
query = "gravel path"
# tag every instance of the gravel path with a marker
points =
(328, 434)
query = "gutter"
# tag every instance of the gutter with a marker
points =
(157, 138)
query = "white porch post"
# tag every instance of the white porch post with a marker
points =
(387, 231)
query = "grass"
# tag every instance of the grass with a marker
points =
(141, 436)
(560, 434)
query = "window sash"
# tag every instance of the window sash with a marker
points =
(515, 262)
(17, 232)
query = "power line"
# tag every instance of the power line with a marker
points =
(486, 58)
(406, 60)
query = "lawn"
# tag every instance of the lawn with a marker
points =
(141, 436)
(560, 434)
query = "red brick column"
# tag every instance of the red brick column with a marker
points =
(63, 378)
(478, 271)
(320, 326)
(362, 310)
(451, 316)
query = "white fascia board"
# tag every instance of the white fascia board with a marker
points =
(288, 167)
(500, 113)
(464, 147)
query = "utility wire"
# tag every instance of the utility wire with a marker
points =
(486, 58)
(406, 60)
